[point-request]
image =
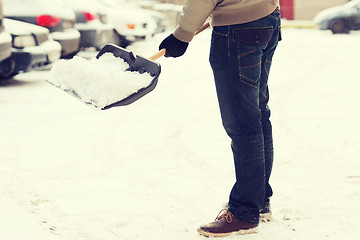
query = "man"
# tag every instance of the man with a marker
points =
(244, 38)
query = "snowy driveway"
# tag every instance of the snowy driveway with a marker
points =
(159, 168)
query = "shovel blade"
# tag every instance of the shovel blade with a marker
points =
(136, 63)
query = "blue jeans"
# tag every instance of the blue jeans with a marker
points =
(240, 57)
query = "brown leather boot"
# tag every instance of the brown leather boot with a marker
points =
(226, 224)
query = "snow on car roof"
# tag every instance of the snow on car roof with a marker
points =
(18, 27)
(36, 7)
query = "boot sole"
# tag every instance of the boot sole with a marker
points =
(240, 232)
(265, 217)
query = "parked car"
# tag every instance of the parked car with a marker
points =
(59, 19)
(32, 48)
(92, 24)
(131, 23)
(160, 19)
(5, 42)
(340, 19)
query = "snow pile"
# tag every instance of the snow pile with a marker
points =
(158, 171)
(99, 82)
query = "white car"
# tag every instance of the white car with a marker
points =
(132, 23)
(5, 45)
(32, 48)
(340, 19)
(91, 22)
(49, 14)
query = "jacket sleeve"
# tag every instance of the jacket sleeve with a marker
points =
(193, 16)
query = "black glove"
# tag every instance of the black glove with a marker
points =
(174, 47)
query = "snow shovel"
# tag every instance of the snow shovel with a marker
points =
(137, 64)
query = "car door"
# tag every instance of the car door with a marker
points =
(5, 38)
(357, 18)
(354, 18)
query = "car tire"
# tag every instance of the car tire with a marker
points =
(339, 26)
(7, 68)
(120, 40)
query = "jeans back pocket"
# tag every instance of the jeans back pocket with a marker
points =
(251, 43)
(254, 36)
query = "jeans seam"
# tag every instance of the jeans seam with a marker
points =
(250, 82)
(221, 34)
(265, 68)
(228, 38)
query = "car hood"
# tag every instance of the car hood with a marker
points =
(334, 12)
(130, 15)
(84, 5)
(22, 28)
(29, 8)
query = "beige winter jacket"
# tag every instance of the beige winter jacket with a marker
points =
(221, 12)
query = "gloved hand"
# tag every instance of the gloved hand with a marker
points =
(174, 47)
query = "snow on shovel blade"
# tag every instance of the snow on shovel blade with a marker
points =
(138, 64)
(116, 77)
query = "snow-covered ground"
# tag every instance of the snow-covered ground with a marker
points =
(162, 166)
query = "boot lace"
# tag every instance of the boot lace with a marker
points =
(224, 213)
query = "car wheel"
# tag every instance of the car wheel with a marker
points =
(2, 77)
(338, 26)
(120, 40)
(7, 68)
(70, 56)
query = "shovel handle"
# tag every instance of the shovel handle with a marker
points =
(158, 55)
(162, 52)
(204, 27)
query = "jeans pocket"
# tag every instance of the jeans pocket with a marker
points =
(249, 73)
(251, 43)
(254, 36)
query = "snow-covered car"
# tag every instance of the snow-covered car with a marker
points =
(340, 19)
(92, 24)
(59, 19)
(32, 48)
(160, 19)
(5, 41)
(170, 11)
(131, 22)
